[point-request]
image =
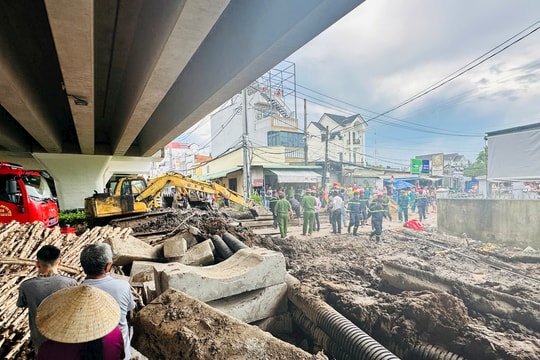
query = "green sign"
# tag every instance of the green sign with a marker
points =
(416, 166)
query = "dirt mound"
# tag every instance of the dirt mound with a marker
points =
(417, 288)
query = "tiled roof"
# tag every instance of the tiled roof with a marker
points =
(342, 120)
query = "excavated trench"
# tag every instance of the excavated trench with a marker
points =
(421, 295)
(414, 295)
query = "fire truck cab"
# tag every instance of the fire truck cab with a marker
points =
(25, 196)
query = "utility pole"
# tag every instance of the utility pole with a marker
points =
(325, 160)
(305, 134)
(247, 165)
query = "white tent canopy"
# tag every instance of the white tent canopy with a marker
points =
(287, 176)
(513, 154)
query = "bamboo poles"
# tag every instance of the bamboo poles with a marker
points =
(19, 244)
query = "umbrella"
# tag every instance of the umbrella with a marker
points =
(400, 184)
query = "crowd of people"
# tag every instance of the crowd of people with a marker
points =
(347, 208)
(78, 321)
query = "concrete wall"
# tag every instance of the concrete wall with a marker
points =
(510, 222)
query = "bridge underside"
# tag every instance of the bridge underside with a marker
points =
(123, 78)
(119, 78)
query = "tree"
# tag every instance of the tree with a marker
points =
(479, 167)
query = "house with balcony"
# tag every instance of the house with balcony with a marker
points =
(270, 119)
(344, 135)
(338, 144)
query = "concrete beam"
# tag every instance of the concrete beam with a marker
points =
(194, 21)
(12, 136)
(73, 33)
(27, 73)
(239, 49)
(254, 305)
(248, 269)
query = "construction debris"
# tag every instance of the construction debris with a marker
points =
(208, 335)
(415, 292)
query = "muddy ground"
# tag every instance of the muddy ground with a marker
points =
(412, 291)
(415, 288)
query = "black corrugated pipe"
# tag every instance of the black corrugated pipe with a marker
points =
(422, 351)
(233, 243)
(318, 335)
(221, 247)
(353, 341)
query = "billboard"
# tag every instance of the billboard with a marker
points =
(425, 167)
(437, 165)
(416, 165)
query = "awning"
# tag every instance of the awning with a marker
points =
(217, 175)
(288, 176)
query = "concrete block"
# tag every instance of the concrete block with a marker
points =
(149, 291)
(142, 271)
(248, 269)
(129, 249)
(276, 325)
(254, 305)
(186, 235)
(199, 255)
(174, 248)
(177, 326)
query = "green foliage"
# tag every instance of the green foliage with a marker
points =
(479, 167)
(71, 217)
(256, 198)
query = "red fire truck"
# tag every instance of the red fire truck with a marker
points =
(25, 196)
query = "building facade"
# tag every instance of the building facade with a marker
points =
(337, 138)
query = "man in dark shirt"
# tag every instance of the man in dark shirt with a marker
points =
(273, 200)
(34, 290)
(354, 213)
(377, 213)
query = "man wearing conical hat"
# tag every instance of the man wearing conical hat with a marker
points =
(80, 322)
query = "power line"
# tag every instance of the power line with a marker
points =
(471, 65)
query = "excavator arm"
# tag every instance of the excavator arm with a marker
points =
(157, 184)
(231, 195)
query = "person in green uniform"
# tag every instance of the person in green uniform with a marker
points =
(308, 204)
(283, 210)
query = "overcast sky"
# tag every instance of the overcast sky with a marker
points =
(387, 51)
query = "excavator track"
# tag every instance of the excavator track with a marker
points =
(125, 221)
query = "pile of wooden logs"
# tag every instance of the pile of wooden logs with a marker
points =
(19, 244)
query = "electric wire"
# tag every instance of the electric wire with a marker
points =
(471, 65)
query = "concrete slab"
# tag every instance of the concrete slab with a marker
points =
(201, 254)
(188, 236)
(149, 291)
(248, 269)
(128, 249)
(254, 305)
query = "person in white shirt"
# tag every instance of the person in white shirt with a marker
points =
(97, 260)
(336, 206)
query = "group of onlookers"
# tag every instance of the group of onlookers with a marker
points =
(72, 321)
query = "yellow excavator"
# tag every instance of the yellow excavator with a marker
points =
(132, 195)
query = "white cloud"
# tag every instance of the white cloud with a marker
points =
(385, 51)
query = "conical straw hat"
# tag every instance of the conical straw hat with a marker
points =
(77, 314)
